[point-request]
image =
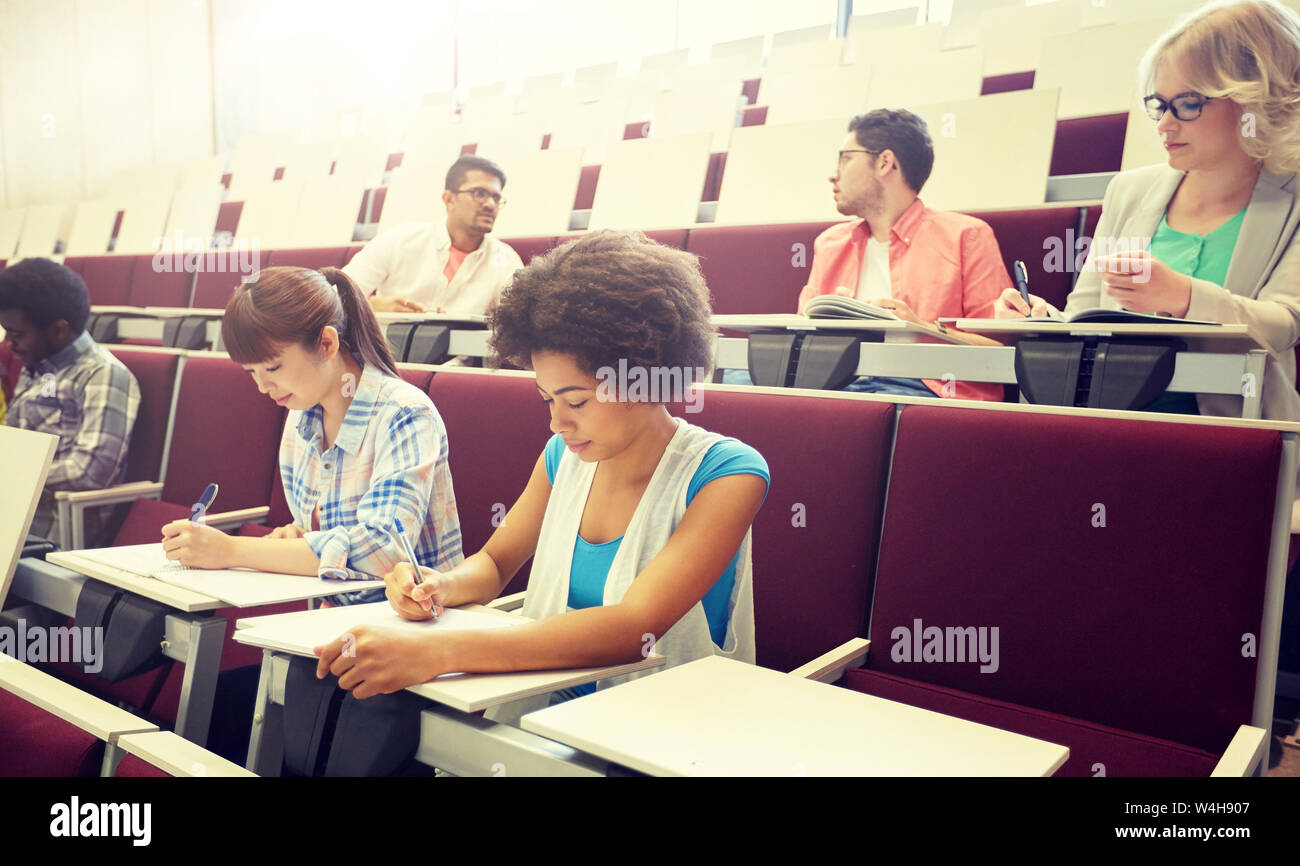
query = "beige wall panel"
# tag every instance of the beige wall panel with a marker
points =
(778, 173)
(652, 183)
(541, 187)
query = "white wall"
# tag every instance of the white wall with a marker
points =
(90, 87)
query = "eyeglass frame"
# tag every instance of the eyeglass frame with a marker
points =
(840, 163)
(1168, 105)
(481, 195)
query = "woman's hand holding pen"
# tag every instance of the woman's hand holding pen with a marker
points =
(425, 600)
(1010, 305)
(196, 545)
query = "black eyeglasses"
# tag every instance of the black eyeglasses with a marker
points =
(1185, 106)
(482, 196)
(857, 150)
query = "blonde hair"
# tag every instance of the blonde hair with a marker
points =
(1248, 52)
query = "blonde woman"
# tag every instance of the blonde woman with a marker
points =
(1215, 227)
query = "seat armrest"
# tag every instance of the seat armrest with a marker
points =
(1243, 754)
(514, 601)
(110, 495)
(227, 519)
(829, 667)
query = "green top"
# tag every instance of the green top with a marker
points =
(1202, 257)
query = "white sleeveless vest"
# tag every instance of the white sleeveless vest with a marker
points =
(662, 506)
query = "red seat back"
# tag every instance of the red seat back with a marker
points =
(1122, 562)
(223, 271)
(164, 280)
(225, 431)
(155, 373)
(755, 269)
(108, 278)
(814, 539)
(497, 426)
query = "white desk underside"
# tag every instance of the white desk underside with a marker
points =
(1194, 372)
(239, 592)
(469, 693)
(716, 717)
(68, 702)
(894, 330)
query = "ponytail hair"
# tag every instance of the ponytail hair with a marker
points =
(286, 306)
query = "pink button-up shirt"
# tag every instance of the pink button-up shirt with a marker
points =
(941, 264)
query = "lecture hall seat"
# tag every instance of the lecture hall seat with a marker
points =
(107, 278)
(1082, 660)
(814, 539)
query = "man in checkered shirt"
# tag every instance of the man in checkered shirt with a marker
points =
(70, 386)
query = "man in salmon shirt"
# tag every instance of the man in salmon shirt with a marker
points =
(921, 264)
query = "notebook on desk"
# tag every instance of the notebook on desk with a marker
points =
(300, 634)
(837, 307)
(1100, 316)
(240, 587)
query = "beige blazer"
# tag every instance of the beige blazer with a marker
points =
(1262, 288)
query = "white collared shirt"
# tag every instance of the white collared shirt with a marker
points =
(407, 261)
(873, 279)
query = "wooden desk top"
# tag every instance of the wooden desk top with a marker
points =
(718, 717)
(471, 693)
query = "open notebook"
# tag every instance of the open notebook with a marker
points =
(301, 633)
(836, 307)
(1100, 315)
(240, 587)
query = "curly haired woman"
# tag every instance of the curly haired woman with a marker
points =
(638, 522)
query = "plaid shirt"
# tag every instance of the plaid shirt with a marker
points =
(89, 399)
(388, 462)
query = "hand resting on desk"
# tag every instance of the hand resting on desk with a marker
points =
(196, 545)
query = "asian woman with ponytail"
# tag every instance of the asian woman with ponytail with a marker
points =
(362, 448)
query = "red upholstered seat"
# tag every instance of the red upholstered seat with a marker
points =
(497, 427)
(223, 271)
(164, 281)
(527, 248)
(228, 216)
(1042, 238)
(155, 373)
(1008, 82)
(713, 177)
(351, 251)
(1111, 522)
(814, 539)
(34, 742)
(377, 199)
(108, 278)
(418, 378)
(755, 269)
(1095, 750)
(586, 194)
(314, 258)
(132, 767)
(1084, 145)
(754, 115)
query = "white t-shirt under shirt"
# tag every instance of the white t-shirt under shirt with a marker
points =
(873, 279)
(409, 261)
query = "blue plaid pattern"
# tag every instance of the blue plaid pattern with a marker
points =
(388, 462)
(89, 399)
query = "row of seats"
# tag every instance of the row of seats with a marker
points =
(749, 269)
(860, 536)
(52, 729)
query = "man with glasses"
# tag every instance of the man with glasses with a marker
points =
(454, 266)
(897, 253)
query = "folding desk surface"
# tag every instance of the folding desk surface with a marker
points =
(719, 717)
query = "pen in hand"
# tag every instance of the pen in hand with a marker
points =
(1021, 273)
(400, 532)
